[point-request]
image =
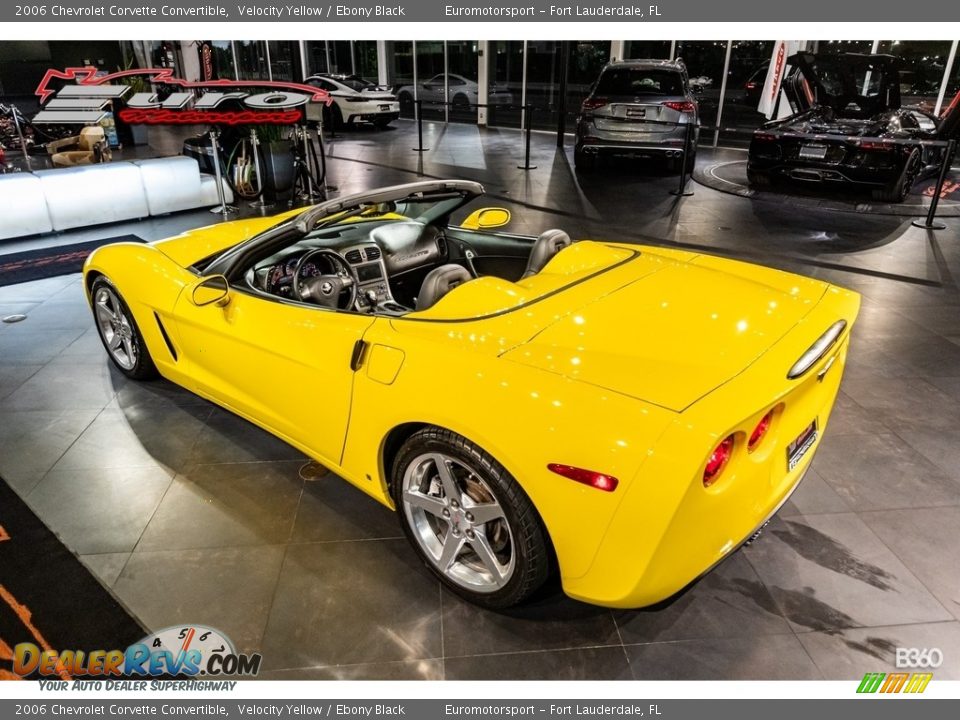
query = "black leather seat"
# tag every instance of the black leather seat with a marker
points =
(439, 282)
(545, 247)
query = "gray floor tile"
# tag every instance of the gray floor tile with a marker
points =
(106, 566)
(767, 657)
(814, 496)
(226, 506)
(728, 602)
(927, 541)
(325, 588)
(552, 623)
(32, 441)
(67, 385)
(13, 376)
(880, 472)
(140, 436)
(227, 438)
(229, 589)
(848, 654)
(829, 572)
(603, 663)
(99, 510)
(428, 669)
(333, 509)
(23, 346)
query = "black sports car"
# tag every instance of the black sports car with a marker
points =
(848, 127)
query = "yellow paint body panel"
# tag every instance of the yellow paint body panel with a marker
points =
(627, 360)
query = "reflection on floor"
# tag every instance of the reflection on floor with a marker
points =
(191, 515)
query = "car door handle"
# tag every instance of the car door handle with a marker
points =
(356, 358)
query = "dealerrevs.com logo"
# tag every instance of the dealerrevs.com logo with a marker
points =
(85, 99)
(183, 651)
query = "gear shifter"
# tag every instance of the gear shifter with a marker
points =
(371, 296)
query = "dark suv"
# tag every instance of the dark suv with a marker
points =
(638, 107)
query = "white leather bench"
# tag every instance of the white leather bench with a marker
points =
(66, 198)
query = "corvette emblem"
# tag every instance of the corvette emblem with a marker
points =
(326, 288)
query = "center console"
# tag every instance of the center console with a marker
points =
(373, 291)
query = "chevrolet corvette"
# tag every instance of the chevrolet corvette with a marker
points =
(625, 416)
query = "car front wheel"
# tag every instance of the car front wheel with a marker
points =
(119, 332)
(469, 520)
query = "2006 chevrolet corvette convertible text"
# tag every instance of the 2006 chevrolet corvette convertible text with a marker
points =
(625, 415)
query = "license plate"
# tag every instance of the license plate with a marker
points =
(635, 112)
(384, 107)
(813, 152)
(799, 447)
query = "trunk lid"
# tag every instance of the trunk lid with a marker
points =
(675, 335)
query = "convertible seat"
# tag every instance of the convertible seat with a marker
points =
(545, 247)
(439, 282)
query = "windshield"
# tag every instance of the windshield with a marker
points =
(639, 81)
(355, 83)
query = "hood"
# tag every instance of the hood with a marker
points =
(673, 336)
(851, 84)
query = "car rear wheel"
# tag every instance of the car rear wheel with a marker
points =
(468, 519)
(898, 191)
(119, 332)
(758, 179)
(584, 162)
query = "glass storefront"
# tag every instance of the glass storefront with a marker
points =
(252, 59)
(285, 60)
(922, 65)
(749, 62)
(646, 49)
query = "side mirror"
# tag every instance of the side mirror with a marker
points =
(213, 290)
(486, 218)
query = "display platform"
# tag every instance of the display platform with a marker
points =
(729, 175)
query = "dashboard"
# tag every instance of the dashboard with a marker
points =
(377, 256)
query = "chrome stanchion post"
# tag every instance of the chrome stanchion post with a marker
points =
(930, 223)
(528, 115)
(223, 208)
(259, 203)
(418, 109)
(23, 143)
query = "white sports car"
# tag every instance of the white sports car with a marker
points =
(354, 100)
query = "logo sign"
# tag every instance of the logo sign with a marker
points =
(889, 683)
(85, 99)
(919, 658)
(189, 651)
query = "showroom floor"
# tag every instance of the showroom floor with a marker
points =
(191, 515)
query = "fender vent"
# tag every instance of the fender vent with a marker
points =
(353, 257)
(166, 338)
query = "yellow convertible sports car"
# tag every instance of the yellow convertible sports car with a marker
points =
(626, 416)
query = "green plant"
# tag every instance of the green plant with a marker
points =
(136, 83)
(269, 133)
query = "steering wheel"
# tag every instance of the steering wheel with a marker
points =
(328, 290)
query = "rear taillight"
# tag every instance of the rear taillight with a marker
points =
(718, 461)
(760, 431)
(594, 479)
(875, 145)
(684, 106)
(592, 103)
(764, 137)
(750, 85)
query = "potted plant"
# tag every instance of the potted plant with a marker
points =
(137, 84)
(276, 157)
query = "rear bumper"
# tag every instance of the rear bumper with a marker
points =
(591, 139)
(669, 529)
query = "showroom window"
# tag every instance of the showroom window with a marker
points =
(431, 88)
(399, 62)
(746, 75)
(285, 60)
(252, 60)
(462, 67)
(922, 65)
(646, 49)
(505, 78)
(705, 62)
(223, 66)
(365, 60)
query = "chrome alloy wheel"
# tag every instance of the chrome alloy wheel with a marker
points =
(458, 522)
(115, 328)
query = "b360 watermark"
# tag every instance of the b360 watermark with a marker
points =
(919, 657)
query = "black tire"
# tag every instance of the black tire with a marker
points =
(140, 366)
(898, 191)
(518, 534)
(758, 179)
(584, 162)
(461, 103)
